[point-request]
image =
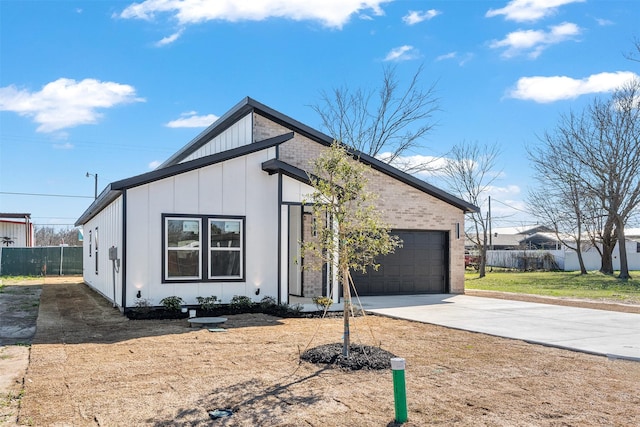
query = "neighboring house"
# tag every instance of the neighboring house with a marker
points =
(538, 248)
(16, 230)
(224, 216)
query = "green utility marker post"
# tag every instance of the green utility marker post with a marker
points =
(399, 389)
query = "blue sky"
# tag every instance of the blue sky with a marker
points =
(114, 88)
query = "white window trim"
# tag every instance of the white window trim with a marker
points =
(167, 248)
(228, 249)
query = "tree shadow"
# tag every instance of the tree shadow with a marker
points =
(251, 402)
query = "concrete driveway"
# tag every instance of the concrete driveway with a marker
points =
(607, 333)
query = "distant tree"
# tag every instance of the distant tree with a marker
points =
(49, 236)
(388, 123)
(604, 140)
(470, 172)
(559, 200)
(352, 234)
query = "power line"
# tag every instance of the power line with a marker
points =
(509, 206)
(45, 195)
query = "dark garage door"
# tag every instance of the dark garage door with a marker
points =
(419, 267)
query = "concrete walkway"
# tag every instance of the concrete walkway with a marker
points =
(607, 333)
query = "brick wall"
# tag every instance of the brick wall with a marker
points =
(402, 206)
(264, 128)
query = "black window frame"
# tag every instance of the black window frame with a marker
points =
(205, 248)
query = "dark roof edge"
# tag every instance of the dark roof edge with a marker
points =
(239, 110)
(107, 196)
(249, 104)
(202, 161)
(415, 182)
(118, 186)
(365, 158)
(273, 166)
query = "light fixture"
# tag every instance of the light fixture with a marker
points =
(139, 294)
(95, 186)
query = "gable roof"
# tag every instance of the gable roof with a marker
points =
(248, 105)
(172, 165)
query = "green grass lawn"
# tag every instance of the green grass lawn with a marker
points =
(560, 284)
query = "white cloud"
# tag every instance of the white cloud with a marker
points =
(154, 164)
(416, 16)
(533, 42)
(529, 10)
(331, 13)
(65, 146)
(402, 53)
(66, 103)
(556, 88)
(604, 22)
(192, 120)
(170, 39)
(461, 59)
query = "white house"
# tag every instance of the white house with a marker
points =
(224, 216)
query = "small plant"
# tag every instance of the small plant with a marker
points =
(207, 303)
(323, 303)
(172, 303)
(241, 304)
(267, 302)
(143, 305)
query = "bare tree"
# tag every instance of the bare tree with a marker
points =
(560, 199)
(49, 236)
(389, 126)
(604, 143)
(470, 172)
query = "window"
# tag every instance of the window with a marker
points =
(225, 248)
(203, 248)
(183, 242)
(95, 247)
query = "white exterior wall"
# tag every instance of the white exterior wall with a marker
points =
(237, 187)
(109, 225)
(237, 135)
(294, 191)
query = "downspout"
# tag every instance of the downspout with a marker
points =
(123, 265)
(279, 279)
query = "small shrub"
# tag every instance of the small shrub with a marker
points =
(284, 310)
(207, 303)
(322, 303)
(143, 305)
(241, 304)
(172, 303)
(267, 302)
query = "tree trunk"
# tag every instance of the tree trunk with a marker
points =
(346, 299)
(583, 269)
(482, 265)
(606, 266)
(622, 248)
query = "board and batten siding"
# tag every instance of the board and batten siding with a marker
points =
(235, 136)
(108, 223)
(236, 187)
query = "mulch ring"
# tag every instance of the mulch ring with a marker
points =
(360, 357)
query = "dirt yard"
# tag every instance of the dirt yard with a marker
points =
(91, 366)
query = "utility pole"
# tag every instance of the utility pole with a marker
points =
(95, 186)
(490, 232)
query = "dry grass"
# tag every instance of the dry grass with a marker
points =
(96, 368)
